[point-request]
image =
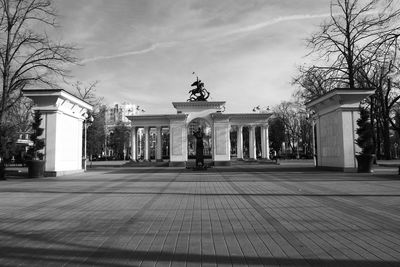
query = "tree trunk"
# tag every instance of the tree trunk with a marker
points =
(378, 139)
(386, 138)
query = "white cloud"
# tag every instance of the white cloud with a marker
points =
(130, 53)
(274, 21)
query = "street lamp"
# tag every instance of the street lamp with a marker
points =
(86, 123)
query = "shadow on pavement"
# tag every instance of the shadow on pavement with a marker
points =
(123, 257)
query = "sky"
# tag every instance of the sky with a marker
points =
(145, 51)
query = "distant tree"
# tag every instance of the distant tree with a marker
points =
(96, 133)
(119, 139)
(276, 134)
(298, 129)
(287, 111)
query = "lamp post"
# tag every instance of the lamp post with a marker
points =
(86, 123)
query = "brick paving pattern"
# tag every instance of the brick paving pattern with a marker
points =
(241, 215)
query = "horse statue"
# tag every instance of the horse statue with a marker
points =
(199, 93)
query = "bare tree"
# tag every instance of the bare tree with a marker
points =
(313, 82)
(355, 32)
(297, 127)
(28, 57)
(87, 92)
(96, 133)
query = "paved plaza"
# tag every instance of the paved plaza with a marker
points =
(241, 215)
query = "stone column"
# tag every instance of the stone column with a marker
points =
(264, 142)
(239, 144)
(252, 143)
(133, 141)
(146, 144)
(159, 145)
(267, 141)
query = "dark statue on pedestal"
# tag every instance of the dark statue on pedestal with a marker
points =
(199, 93)
(199, 148)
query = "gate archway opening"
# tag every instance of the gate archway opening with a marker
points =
(193, 126)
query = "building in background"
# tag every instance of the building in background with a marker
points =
(115, 116)
(118, 112)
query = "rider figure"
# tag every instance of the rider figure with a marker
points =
(199, 93)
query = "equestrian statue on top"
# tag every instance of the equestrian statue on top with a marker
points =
(199, 93)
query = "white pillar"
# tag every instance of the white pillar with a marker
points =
(158, 145)
(264, 142)
(239, 144)
(146, 144)
(252, 142)
(133, 146)
(267, 141)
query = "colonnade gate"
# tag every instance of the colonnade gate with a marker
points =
(170, 134)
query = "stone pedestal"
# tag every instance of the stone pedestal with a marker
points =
(335, 119)
(62, 119)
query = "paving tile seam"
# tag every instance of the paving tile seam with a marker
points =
(343, 206)
(339, 235)
(120, 182)
(285, 233)
(216, 234)
(138, 233)
(179, 234)
(225, 232)
(135, 216)
(151, 244)
(167, 233)
(333, 241)
(366, 201)
(43, 205)
(332, 230)
(66, 196)
(235, 211)
(367, 248)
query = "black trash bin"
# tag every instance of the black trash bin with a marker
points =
(36, 168)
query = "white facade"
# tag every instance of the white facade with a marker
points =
(62, 119)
